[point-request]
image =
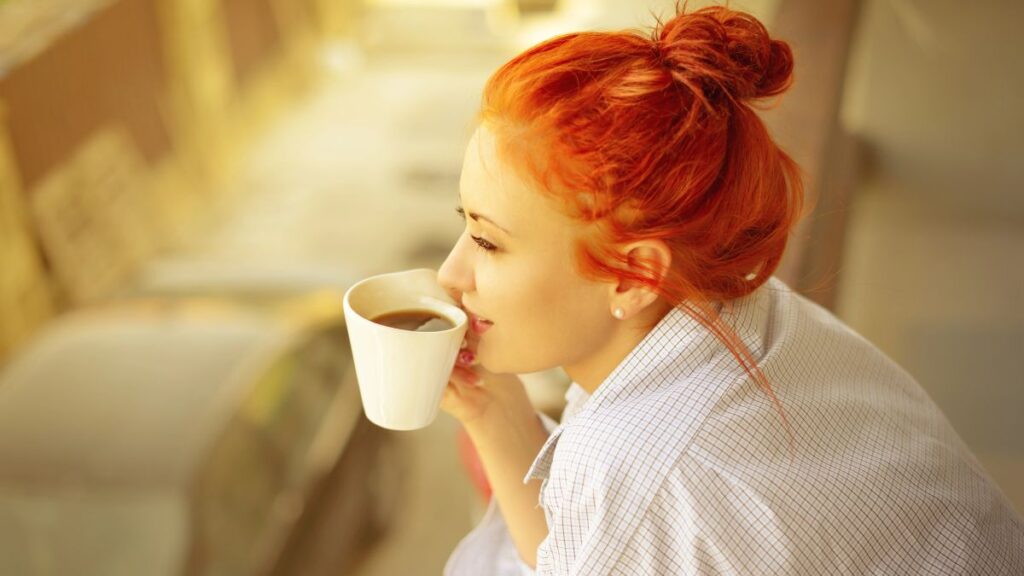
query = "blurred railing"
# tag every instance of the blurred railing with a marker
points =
(806, 124)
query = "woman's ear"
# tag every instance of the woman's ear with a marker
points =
(650, 258)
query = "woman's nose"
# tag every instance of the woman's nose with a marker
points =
(456, 274)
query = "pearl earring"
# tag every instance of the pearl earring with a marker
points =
(619, 313)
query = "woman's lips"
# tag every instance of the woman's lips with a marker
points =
(478, 324)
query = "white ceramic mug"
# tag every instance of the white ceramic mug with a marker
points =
(402, 373)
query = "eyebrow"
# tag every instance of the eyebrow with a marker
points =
(479, 217)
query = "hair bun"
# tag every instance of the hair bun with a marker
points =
(719, 49)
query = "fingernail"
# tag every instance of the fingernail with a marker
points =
(466, 357)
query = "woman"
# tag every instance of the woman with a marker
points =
(625, 211)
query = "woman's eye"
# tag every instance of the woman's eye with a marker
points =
(484, 244)
(480, 242)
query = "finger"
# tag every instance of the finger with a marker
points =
(450, 398)
(465, 377)
(465, 358)
(471, 339)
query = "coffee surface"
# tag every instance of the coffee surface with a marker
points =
(415, 320)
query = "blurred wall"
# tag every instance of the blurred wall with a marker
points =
(933, 258)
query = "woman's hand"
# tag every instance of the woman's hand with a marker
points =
(506, 434)
(475, 395)
(467, 397)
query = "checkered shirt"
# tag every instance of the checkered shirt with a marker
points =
(680, 464)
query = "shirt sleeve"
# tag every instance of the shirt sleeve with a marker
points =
(700, 521)
(667, 539)
(488, 549)
(524, 569)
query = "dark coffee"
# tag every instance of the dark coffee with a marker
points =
(415, 320)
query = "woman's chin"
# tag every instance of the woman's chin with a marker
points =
(489, 366)
(495, 365)
(507, 365)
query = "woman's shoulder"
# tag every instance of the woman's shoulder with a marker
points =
(853, 448)
(645, 419)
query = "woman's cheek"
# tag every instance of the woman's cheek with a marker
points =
(496, 284)
(506, 300)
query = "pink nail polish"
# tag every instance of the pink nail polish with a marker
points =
(466, 357)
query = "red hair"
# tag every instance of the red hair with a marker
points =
(656, 138)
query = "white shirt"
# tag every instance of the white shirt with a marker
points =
(680, 464)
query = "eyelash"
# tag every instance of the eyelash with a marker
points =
(484, 244)
(480, 242)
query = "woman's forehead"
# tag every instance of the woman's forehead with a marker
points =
(492, 186)
(486, 167)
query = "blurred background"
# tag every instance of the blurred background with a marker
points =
(187, 187)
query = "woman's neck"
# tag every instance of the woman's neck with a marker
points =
(592, 371)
